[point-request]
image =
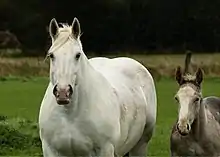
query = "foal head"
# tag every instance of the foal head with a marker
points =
(65, 56)
(188, 97)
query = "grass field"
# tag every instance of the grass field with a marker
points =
(21, 98)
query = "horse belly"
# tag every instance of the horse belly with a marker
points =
(132, 131)
(133, 121)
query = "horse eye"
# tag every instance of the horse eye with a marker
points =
(176, 98)
(78, 55)
(51, 55)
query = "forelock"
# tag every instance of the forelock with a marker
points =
(189, 78)
(64, 34)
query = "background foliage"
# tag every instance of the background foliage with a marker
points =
(136, 26)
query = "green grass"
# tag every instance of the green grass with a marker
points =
(22, 99)
(19, 137)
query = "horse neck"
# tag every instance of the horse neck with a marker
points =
(88, 77)
(87, 89)
(199, 124)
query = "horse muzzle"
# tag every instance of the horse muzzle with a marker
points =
(63, 95)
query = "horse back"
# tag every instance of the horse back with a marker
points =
(120, 67)
(212, 103)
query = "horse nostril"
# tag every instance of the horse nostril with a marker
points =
(70, 90)
(188, 127)
(55, 90)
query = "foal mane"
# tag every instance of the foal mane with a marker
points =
(187, 62)
(186, 77)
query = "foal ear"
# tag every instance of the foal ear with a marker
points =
(179, 75)
(53, 28)
(76, 30)
(199, 76)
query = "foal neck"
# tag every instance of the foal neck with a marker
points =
(198, 127)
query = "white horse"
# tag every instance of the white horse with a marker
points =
(97, 107)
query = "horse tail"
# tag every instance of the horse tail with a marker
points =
(187, 61)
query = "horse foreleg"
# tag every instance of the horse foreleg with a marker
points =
(47, 151)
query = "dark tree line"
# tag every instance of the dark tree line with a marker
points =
(118, 25)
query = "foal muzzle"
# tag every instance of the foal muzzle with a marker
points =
(183, 129)
(63, 95)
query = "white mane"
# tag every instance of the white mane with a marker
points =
(64, 34)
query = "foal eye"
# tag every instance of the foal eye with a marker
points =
(197, 99)
(78, 55)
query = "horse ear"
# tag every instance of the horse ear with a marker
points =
(179, 75)
(53, 28)
(199, 76)
(76, 30)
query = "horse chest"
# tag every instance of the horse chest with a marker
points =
(67, 138)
